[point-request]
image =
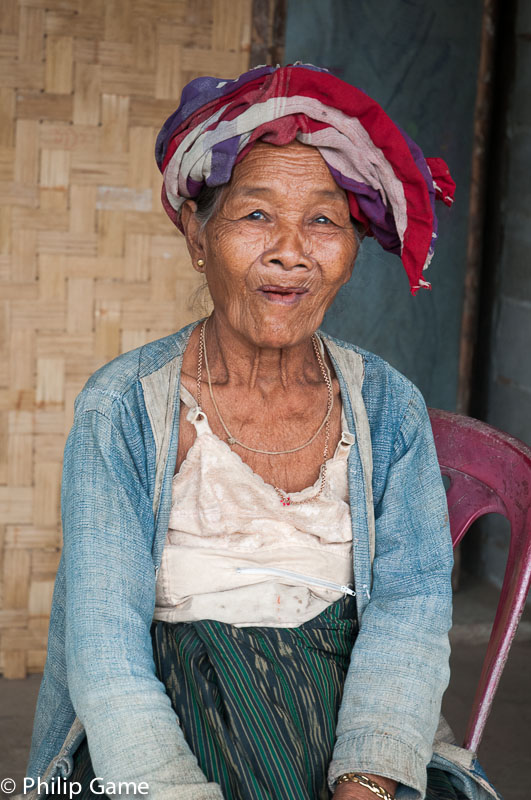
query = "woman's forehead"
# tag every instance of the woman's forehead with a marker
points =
(267, 165)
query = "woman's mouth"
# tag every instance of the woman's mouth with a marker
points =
(285, 295)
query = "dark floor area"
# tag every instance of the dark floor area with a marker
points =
(505, 752)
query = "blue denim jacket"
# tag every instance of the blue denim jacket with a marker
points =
(116, 497)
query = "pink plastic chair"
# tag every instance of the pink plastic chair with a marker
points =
(489, 471)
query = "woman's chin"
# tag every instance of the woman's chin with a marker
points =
(275, 327)
(281, 331)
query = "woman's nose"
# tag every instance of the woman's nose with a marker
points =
(288, 249)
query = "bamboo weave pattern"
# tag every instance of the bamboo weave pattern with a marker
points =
(90, 266)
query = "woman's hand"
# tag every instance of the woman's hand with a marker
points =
(351, 791)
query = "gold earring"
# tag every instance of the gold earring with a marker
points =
(200, 262)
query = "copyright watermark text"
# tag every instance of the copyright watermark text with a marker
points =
(63, 788)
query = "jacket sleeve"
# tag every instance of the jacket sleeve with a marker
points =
(399, 664)
(108, 525)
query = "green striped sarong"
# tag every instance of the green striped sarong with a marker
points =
(258, 706)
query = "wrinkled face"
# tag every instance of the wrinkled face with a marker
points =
(279, 246)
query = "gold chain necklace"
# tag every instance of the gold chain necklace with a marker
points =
(284, 497)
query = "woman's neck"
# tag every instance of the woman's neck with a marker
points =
(234, 359)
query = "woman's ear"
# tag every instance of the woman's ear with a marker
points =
(193, 235)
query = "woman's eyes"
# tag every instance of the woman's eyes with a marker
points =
(322, 219)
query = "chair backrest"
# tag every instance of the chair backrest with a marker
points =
(489, 471)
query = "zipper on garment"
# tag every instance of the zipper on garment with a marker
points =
(286, 573)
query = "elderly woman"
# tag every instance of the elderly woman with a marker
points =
(254, 594)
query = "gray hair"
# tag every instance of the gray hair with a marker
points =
(208, 203)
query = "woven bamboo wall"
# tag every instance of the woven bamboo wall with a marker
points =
(90, 266)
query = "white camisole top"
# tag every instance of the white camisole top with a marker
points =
(234, 553)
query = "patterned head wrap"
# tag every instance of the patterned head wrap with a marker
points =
(391, 187)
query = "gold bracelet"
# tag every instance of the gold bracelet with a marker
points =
(363, 780)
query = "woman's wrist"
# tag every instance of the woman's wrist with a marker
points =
(364, 786)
